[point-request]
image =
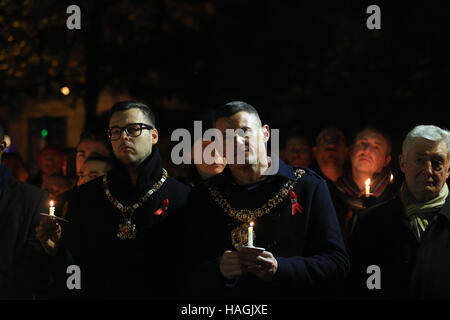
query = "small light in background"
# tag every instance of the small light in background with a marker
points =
(44, 133)
(65, 91)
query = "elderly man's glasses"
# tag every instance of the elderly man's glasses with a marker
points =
(132, 130)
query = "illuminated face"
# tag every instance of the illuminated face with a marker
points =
(369, 153)
(331, 147)
(132, 151)
(85, 150)
(92, 169)
(298, 152)
(426, 168)
(249, 144)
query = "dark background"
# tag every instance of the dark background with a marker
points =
(306, 64)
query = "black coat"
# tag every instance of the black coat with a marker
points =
(409, 268)
(145, 267)
(24, 270)
(308, 246)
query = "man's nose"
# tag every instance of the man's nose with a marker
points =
(239, 140)
(124, 135)
(428, 168)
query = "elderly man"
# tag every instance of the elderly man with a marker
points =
(408, 238)
(124, 228)
(294, 220)
(23, 263)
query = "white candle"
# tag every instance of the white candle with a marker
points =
(250, 235)
(52, 208)
(367, 187)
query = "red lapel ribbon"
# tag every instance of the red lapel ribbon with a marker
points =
(295, 205)
(163, 210)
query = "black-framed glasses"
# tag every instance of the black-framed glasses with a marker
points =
(132, 130)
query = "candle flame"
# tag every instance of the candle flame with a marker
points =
(392, 178)
(51, 203)
(252, 224)
(368, 182)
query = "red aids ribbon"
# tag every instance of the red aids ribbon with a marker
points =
(163, 210)
(295, 205)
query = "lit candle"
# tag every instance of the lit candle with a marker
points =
(250, 235)
(392, 178)
(368, 187)
(52, 208)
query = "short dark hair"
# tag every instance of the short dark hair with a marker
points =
(98, 157)
(231, 108)
(378, 130)
(93, 136)
(127, 105)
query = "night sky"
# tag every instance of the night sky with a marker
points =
(305, 64)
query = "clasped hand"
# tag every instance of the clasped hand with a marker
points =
(49, 232)
(247, 260)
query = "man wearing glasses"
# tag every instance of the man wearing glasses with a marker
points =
(123, 227)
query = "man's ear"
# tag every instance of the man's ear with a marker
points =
(155, 136)
(387, 160)
(266, 132)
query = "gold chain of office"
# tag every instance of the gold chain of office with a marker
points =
(127, 230)
(246, 215)
(239, 235)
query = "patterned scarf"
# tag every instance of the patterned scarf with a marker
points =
(421, 213)
(350, 192)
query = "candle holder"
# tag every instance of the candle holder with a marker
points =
(258, 249)
(53, 217)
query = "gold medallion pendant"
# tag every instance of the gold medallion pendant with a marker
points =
(239, 235)
(127, 230)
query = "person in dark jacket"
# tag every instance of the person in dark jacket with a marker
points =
(295, 224)
(124, 227)
(24, 271)
(330, 154)
(400, 249)
(370, 155)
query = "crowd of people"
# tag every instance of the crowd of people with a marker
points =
(228, 230)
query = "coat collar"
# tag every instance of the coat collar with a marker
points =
(445, 210)
(150, 172)
(284, 171)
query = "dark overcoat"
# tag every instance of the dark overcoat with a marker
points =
(308, 245)
(24, 270)
(409, 268)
